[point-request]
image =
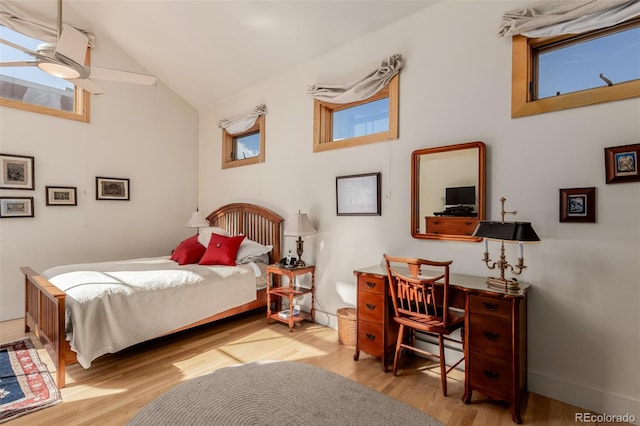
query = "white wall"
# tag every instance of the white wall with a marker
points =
(144, 133)
(584, 325)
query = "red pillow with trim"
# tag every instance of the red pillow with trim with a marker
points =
(188, 251)
(222, 250)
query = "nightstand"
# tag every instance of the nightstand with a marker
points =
(292, 290)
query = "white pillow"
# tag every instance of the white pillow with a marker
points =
(250, 249)
(205, 234)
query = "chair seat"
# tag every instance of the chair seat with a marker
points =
(433, 324)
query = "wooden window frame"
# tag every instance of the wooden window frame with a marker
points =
(81, 103)
(323, 126)
(522, 80)
(227, 146)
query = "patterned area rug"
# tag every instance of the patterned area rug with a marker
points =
(25, 382)
(276, 393)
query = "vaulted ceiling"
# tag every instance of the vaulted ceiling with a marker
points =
(207, 50)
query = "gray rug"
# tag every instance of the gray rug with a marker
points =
(277, 393)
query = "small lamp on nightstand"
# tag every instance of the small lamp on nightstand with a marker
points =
(197, 220)
(299, 226)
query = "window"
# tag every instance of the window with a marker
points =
(357, 123)
(31, 89)
(556, 73)
(244, 148)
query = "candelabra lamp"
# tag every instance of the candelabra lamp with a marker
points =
(511, 232)
(299, 226)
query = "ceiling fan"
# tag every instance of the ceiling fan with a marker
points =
(65, 59)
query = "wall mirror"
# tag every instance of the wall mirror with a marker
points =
(448, 191)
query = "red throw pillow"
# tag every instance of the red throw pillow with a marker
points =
(188, 251)
(222, 250)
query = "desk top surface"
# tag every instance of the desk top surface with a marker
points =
(460, 281)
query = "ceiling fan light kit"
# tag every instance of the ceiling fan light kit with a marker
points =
(66, 58)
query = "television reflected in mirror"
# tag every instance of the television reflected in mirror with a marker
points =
(447, 191)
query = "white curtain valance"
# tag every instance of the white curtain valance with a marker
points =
(549, 18)
(33, 23)
(361, 88)
(242, 122)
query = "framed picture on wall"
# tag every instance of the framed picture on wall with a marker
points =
(16, 207)
(112, 188)
(621, 163)
(578, 205)
(61, 196)
(17, 172)
(358, 195)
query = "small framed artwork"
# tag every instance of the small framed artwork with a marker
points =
(112, 188)
(358, 195)
(61, 195)
(578, 205)
(621, 163)
(16, 207)
(17, 172)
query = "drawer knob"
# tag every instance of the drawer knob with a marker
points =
(468, 223)
(371, 284)
(371, 306)
(436, 222)
(491, 335)
(491, 375)
(491, 306)
(371, 337)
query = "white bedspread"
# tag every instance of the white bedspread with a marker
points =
(113, 305)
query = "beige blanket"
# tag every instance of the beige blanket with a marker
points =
(114, 305)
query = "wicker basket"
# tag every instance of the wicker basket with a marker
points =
(347, 326)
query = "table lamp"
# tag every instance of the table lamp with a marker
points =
(502, 231)
(197, 220)
(299, 226)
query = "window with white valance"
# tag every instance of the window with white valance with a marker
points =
(359, 108)
(243, 137)
(560, 61)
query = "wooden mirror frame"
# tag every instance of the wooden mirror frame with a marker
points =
(415, 188)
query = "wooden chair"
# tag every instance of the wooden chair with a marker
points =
(421, 303)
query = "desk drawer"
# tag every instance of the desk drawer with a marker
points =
(371, 307)
(371, 284)
(490, 306)
(490, 335)
(370, 338)
(491, 375)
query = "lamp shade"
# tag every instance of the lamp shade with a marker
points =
(507, 231)
(197, 220)
(299, 225)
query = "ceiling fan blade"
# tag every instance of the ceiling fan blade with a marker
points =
(18, 47)
(73, 44)
(87, 85)
(19, 64)
(123, 76)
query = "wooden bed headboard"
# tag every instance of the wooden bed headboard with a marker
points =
(257, 223)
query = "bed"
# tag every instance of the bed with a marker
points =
(45, 303)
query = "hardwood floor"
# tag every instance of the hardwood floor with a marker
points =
(117, 386)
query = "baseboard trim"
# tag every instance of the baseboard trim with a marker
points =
(583, 397)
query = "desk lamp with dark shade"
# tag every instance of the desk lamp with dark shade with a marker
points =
(520, 232)
(299, 226)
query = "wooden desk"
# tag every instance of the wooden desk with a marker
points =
(495, 332)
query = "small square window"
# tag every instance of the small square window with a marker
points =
(244, 148)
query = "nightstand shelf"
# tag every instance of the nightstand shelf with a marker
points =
(290, 292)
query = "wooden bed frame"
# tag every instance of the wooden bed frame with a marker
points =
(45, 303)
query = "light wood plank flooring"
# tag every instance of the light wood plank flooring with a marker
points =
(117, 386)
